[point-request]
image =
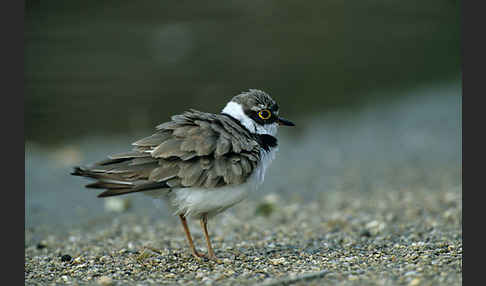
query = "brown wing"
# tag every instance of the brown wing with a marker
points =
(195, 149)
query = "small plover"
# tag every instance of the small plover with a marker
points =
(200, 163)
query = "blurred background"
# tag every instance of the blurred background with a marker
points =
(374, 87)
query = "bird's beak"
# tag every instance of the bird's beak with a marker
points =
(285, 122)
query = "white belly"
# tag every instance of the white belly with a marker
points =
(193, 202)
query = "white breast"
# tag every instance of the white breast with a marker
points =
(193, 202)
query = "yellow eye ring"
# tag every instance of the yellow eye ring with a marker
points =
(264, 114)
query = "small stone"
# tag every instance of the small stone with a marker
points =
(117, 204)
(78, 260)
(277, 261)
(375, 227)
(353, 277)
(414, 282)
(265, 209)
(105, 280)
(226, 261)
(365, 233)
(66, 258)
(199, 275)
(41, 245)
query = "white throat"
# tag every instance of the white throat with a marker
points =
(236, 111)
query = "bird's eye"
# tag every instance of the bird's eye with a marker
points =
(264, 114)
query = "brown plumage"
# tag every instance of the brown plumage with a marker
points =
(195, 148)
(201, 163)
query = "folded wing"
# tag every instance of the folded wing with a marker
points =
(194, 149)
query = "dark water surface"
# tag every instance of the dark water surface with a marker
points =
(93, 67)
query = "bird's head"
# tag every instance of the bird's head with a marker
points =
(257, 111)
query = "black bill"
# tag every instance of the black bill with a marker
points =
(285, 122)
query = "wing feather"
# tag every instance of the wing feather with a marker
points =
(194, 149)
(164, 172)
(168, 148)
(153, 140)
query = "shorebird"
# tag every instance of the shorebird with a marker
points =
(200, 163)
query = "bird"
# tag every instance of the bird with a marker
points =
(200, 163)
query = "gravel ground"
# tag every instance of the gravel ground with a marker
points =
(377, 238)
(368, 198)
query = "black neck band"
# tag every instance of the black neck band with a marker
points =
(266, 141)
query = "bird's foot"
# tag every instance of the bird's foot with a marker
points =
(213, 257)
(198, 255)
(206, 257)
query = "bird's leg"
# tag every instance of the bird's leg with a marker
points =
(204, 225)
(189, 238)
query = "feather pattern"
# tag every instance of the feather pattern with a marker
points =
(195, 149)
(201, 162)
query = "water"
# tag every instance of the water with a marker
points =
(96, 67)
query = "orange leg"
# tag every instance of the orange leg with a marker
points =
(204, 223)
(189, 237)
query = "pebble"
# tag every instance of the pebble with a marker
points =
(116, 204)
(302, 246)
(277, 261)
(105, 281)
(41, 245)
(414, 282)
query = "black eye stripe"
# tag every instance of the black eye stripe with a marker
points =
(254, 115)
